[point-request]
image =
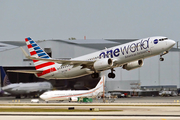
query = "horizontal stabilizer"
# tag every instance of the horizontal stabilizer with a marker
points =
(24, 52)
(26, 71)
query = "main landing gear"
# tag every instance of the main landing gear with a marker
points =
(161, 58)
(95, 75)
(111, 74)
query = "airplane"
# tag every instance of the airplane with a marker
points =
(22, 89)
(167, 93)
(70, 95)
(129, 56)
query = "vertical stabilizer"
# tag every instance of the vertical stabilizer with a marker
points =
(101, 82)
(4, 77)
(99, 87)
(36, 51)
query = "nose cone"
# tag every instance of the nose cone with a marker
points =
(171, 43)
(42, 97)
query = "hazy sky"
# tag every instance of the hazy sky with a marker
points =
(95, 19)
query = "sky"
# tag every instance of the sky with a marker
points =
(95, 19)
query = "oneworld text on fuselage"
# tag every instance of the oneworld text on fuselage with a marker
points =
(126, 49)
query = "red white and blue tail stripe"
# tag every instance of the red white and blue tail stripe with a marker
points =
(36, 51)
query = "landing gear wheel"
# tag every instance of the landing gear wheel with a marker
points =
(161, 59)
(111, 75)
(95, 75)
(18, 97)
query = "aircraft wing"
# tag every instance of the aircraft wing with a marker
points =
(71, 62)
(33, 91)
(64, 62)
(36, 91)
(26, 71)
(6, 93)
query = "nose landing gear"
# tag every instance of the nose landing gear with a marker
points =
(161, 58)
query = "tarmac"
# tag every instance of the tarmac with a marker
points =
(135, 108)
(134, 99)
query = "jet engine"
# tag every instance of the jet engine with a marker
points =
(73, 99)
(133, 65)
(103, 64)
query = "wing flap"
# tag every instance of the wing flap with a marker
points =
(26, 71)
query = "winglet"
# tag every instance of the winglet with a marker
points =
(25, 53)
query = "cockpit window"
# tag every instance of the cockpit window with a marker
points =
(162, 39)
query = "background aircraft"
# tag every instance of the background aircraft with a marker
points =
(75, 94)
(23, 89)
(129, 56)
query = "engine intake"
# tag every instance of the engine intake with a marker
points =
(133, 65)
(103, 64)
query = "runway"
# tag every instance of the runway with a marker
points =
(136, 108)
(84, 118)
(118, 100)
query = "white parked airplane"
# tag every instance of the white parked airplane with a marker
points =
(74, 95)
(22, 89)
(129, 56)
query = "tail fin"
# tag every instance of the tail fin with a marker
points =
(100, 86)
(4, 77)
(37, 52)
(101, 82)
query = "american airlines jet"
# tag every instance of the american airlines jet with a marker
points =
(74, 95)
(128, 56)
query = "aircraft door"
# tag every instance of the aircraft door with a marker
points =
(152, 45)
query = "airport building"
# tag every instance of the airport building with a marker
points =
(154, 75)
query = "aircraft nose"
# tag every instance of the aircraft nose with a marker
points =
(171, 43)
(42, 96)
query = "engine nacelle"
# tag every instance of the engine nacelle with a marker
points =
(103, 64)
(73, 99)
(133, 65)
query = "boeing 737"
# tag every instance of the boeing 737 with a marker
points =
(128, 56)
(74, 95)
(23, 89)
